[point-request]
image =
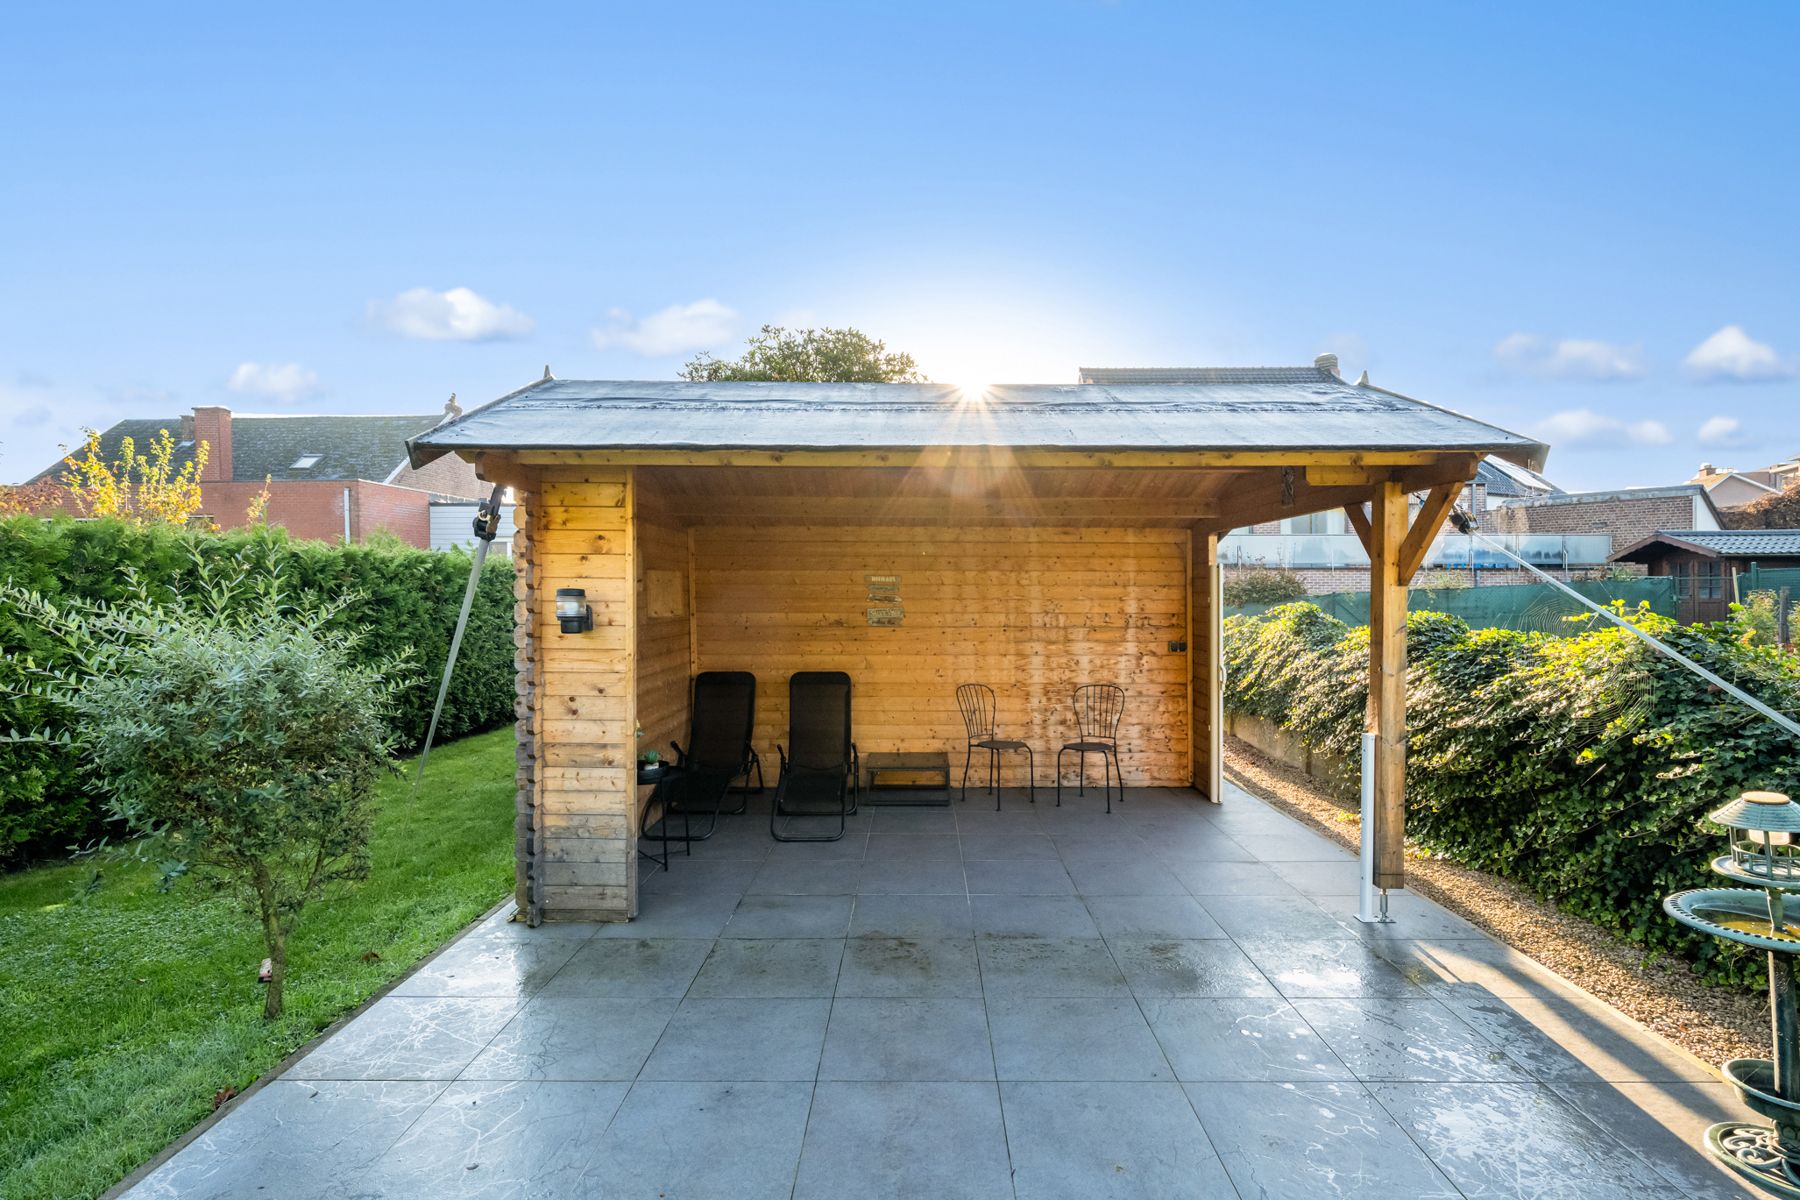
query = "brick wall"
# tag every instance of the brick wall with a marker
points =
(315, 509)
(1625, 519)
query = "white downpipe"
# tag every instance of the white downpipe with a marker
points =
(1371, 904)
(346, 516)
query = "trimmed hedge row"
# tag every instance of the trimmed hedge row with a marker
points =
(410, 602)
(1580, 766)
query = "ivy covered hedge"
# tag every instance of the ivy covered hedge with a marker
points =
(409, 601)
(1582, 766)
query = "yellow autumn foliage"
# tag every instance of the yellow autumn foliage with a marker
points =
(141, 488)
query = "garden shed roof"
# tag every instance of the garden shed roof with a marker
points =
(1262, 409)
(1715, 543)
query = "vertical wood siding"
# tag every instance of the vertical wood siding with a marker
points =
(1030, 611)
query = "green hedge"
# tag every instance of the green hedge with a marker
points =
(1581, 766)
(410, 601)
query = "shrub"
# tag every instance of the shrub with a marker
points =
(234, 730)
(1581, 766)
(409, 600)
(1263, 585)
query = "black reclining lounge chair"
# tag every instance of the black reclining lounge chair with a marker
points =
(819, 766)
(718, 751)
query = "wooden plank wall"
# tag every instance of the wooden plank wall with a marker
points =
(581, 536)
(1030, 611)
(664, 643)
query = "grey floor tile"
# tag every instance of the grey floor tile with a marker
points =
(500, 924)
(771, 967)
(1139, 876)
(912, 876)
(976, 819)
(1152, 916)
(1074, 1040)
(1017, 876)
(297, 1139)
(1518, 1140)
(1341, 968)
(1497, 969)
(1177, 967)
(1295, 845)
(911, 1038)
(701, 875)
(1115, 845)
(932, 917)
(704, 1141)
(784, 878)
(1664, 1124)
(887, 1141)
(1041, 967)
(1109, 1141)
(1257, 918)
(849, 848)
(1024, 844)
(1341, 878)
(638, 967)
(1305, 1141)
(1240, 1039)
(587, 1038)
(942, 847)
(909, 819)
(731, 1040)
(676, 915)
(1407, 1040)
(1230, 879)
(1572, 1038)
(496, 1141)
(925, 967)
(1032, 917)
(507, 968)
(790, 917)
(409, 1037)
(1414, 917)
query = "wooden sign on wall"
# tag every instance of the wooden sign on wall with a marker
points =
(884, 600)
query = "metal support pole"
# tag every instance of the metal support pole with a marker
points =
(1371, 905)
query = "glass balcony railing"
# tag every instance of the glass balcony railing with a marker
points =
(1449, 550)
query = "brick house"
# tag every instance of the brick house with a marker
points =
(1625, 515)
(335, 478)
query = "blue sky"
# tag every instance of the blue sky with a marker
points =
(1578, 221)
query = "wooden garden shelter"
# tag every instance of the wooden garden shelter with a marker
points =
(918, 536)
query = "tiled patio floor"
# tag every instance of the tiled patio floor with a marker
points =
(1171, 1001)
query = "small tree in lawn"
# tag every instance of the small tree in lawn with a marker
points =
(235, 730)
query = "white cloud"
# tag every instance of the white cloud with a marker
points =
(458, 315)
(1720, 431)
(285, 382)
(1733, 356)
(1570, 358)
(702, 325)
(1585, 427)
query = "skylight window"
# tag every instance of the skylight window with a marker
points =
(305, 462)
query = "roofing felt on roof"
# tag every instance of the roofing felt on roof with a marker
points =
(1721, 543)
(1282, 408)
(347, 446)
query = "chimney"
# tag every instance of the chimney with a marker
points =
(1706, 468)
(213, 426)
(1327, 362)
(187, 428)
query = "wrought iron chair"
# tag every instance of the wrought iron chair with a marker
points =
(1098, 707)
(820, 778)
(976, 700)
(718, 751)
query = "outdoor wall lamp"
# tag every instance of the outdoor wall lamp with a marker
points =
(573, 612)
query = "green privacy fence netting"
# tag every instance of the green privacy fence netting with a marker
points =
(1527, 606)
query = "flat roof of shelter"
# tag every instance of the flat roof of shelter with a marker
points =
(1298, 409)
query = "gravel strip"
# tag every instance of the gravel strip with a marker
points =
(1713, 1024)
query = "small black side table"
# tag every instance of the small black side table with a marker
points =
(657, 778)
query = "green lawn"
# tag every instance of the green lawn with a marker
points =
(123, 1011)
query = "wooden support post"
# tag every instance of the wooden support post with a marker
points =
(1206, 674)
(1387, 681)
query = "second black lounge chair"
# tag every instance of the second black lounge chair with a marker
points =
(819, 767)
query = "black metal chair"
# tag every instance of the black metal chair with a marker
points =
(1098, 707)
(718, 751)
(979, 710)
(821, 775)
